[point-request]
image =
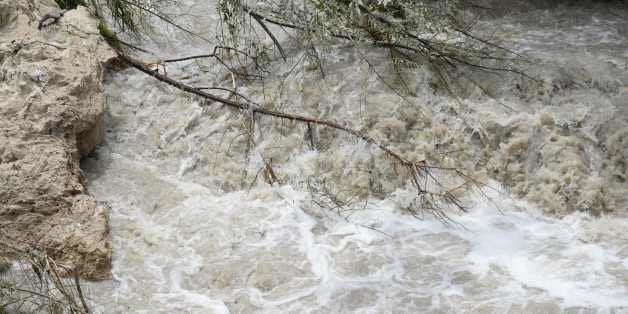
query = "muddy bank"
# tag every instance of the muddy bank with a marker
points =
(51, 114)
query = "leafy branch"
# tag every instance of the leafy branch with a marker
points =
(413, 31)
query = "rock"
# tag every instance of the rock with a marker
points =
(51, 114)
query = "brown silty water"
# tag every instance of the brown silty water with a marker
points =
(190, 236)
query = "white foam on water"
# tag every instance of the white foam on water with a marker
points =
(273, 251)
(545, 253)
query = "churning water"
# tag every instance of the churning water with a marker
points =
(190, 236)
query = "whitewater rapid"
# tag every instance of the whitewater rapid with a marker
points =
(268, 250)
(189, 236)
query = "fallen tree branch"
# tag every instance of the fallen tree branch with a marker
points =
(417, 169)
(214, 54)
(143, 67)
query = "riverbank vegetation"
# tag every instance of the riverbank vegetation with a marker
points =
(38, 284)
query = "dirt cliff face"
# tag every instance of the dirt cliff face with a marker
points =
(51, 113)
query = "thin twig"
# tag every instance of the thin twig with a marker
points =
(271, 35)
(165, 19)
(80, 290)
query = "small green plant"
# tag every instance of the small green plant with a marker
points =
(127, 16)
(108, 34)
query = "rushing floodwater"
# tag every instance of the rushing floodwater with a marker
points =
(187, 238)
